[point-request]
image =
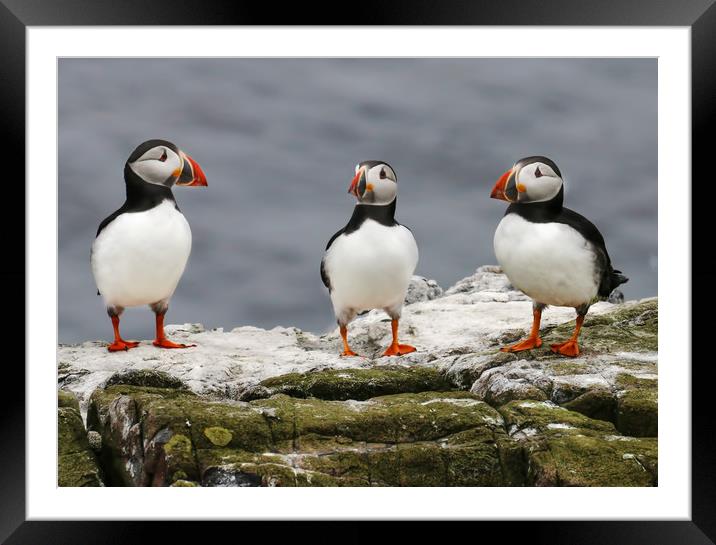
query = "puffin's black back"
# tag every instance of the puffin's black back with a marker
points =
(552, 211)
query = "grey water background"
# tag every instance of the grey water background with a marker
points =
(278, 140)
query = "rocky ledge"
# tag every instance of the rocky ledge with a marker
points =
(254, 407)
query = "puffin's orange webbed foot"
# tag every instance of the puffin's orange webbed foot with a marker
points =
(347, 352)
(120, 345)
(533, 341)
(527, 344)
(161, 341)
(568, 348)
(399, 350)
(166, 343)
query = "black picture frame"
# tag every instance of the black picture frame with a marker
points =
(16, 15)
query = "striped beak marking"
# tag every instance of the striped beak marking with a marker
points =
(358, 185)
(191, 174)
(506, 189)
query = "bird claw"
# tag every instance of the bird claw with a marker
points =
(122, 345)
(166, 343)
(399, 350)
(568, 348)
(527, 344)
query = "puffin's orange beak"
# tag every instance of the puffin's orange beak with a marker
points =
(191, 174)
(501, 189)
(357, 186)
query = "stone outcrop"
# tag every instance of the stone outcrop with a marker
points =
(254, 407)
(165, 437)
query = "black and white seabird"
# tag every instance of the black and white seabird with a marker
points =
(140, 251)
(551, 253)
(369, 263)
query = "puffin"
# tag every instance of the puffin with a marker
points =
(551, 253)
(140, 250)
(369, 263)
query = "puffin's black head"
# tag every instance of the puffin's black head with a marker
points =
(374, 182)
(532, 179)
(160, 162)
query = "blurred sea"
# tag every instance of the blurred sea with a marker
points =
(278, 140)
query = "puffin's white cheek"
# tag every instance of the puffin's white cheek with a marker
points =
(155, 172)
(385, 191)
(542, 190)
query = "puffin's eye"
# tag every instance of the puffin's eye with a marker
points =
(164, 156)
(382, 174)
(538, 174)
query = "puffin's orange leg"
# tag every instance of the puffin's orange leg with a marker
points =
(346, 349)
(570, 347)
(533, 341)
(119, 343)
(396, 349)
(161, 341)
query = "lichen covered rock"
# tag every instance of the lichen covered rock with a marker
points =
(356, 384)
(280, 407)
(637, 406)
(564, 448)
(146, 377)
(410, 439)
(613, 379)
(458, 332)
(77, 464)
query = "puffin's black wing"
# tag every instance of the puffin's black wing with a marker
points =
(324, 274)
(609, 278)
(408, 228)
(106, 221)
(109, 219)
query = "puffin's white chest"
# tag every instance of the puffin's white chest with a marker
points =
(550, 262)
(371, 267)
(139, 257)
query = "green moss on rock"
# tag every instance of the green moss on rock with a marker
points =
(247, 429)
(599, 403)
(76, 464)
(68, 400)
(566, 367)
(179, 459)
(184, 483)
(565, 448)
(146, 377)
(546, 417)
(476, 464)
(513, 461)
(630, 328)
(78, 469)
(218, 436)
(359, 384)
(72, 436)
(408, 439)
(587, 460)
(637, 413)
